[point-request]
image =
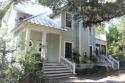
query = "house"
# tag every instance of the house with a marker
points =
(60, 33)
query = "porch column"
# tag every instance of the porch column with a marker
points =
(80, 51)
(60, 46)
(27, 38)
(43, 51)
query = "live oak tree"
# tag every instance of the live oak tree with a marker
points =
(91, 11)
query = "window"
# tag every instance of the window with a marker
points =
(68, 20)
(90, 31)
(31, 43)
(68, 50)
(39, 44)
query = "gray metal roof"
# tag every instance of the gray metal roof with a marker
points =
(32, 9)
(43, 20)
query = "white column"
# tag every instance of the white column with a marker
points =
(60, 44)
(44, 52)
(80, 27)
(27, 38)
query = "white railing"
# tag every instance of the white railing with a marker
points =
(103, 59)
(110, 61)
(68, 63)
(115, 62)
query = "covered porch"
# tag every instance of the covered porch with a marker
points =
(45, 40)
(45, 36)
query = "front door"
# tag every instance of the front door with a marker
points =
(90, 52)
(68, 50)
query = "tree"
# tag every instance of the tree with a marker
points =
(6, 46)
(91, 11)
(115, 40)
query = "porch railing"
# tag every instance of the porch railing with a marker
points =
(103, 59)
(109, 60)
(68, 63)
(115, 62)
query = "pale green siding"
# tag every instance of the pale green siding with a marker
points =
(53, 48)
(85, 41)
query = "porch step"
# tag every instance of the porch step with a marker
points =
(56, 70)
(66, 76)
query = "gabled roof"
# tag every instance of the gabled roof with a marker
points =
(43, 20)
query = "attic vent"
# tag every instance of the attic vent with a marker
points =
(22, 18)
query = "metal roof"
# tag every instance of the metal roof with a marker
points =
(43, 20)
(32, 9)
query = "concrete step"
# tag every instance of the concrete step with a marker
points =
(54, 66)
(59, 74)
(60, 77)
(63, 71)
(56, 70)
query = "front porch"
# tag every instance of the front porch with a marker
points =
(46, 42)
(45, 36)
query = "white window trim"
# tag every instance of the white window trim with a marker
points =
(68, 42)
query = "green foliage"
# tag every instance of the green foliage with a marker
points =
(6, 8)
(116, 45)
(76, 56)
(100, 29)
(86, 60)
(54, 4)
(91, 11)
(25, 67)
(31, 63)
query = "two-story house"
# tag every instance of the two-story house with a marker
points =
(59, 32)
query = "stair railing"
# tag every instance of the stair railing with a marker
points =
(115, 62)
(104, 59)
(68, 63)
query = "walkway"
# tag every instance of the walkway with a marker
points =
(89, 79)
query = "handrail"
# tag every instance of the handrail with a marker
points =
(104, 59)
(114, 61)
(70, 64)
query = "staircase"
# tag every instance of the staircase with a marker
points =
(56, 70)
(107, 61)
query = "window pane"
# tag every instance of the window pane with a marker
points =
(68, 50)
(68, 20)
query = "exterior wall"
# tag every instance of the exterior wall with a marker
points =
(77, 35)
(53, 48)
(13, 20)
(92, 40)
(85, 41)
(69, 35)
(57, 19)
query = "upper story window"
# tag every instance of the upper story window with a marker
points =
(68, 20)
(90, 31)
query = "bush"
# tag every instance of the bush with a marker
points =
(33, 72)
